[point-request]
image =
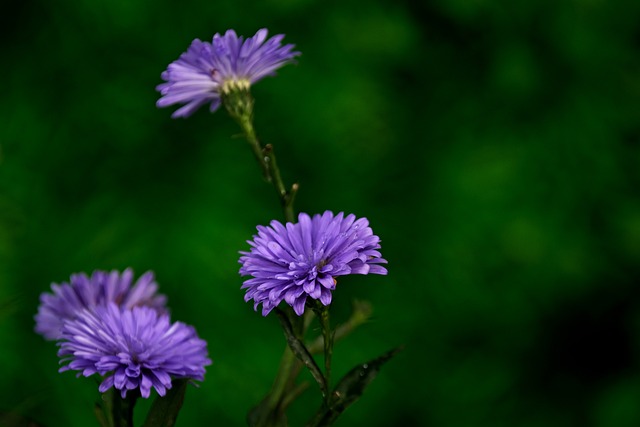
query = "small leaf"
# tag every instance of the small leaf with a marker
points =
(350, 388)
(353, 384)
(301, 352)
(164, 411)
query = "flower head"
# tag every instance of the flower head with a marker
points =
(69, 299)
(139, 347)
(206, 70)
(295, 261)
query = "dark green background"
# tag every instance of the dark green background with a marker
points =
(494, 147)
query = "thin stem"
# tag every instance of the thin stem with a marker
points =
(286, 197)
(270, 412)
(270, 170)
(361, 313)
(281, 383)
(301, 352)
(239, 104)
(328, 345)
(246, 123)
(123, 408)
(293, 394)
(297, 366)
(327, 334)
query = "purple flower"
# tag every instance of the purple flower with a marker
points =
(302, 260)
(141, 348)
(69, 299)
(206, 70)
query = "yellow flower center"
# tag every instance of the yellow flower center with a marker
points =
(232, 85)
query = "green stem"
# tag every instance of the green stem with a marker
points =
(293, 395)
(239, 104)
(301, 352)
(281, 382)
(286, 197)
(361, 313)
(284, 390)
(123, 408)
(328, 346)
(246, 123)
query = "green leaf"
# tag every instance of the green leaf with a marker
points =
(301, 352)
(164, 411)
(350, 388)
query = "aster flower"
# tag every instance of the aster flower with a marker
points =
(207, 70)
(139, 348)
(295, 261)
(69, 299)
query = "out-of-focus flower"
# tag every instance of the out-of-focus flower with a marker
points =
(140, 349)
(294, 261)
(206, 71)
(69, 299)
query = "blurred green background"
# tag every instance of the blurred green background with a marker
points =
(494, 147)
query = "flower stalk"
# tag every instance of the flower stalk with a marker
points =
(360, 314)
(287, 197)
(113, 410)
(123, 409)
(327, 334)
(239, 104)
(271, 411)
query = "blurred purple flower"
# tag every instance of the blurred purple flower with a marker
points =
(302, 260)
(141, 348)
(205, 70)
(69, 299)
